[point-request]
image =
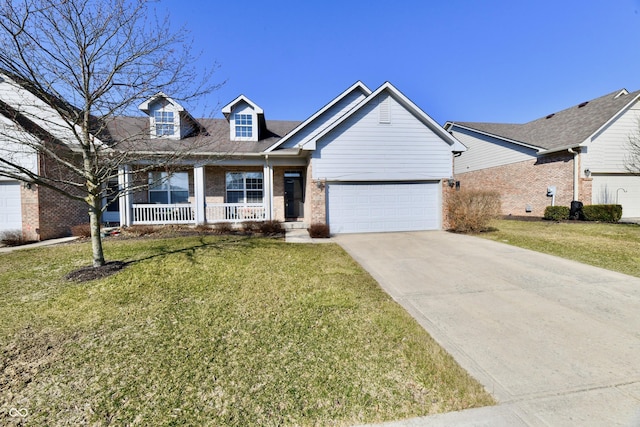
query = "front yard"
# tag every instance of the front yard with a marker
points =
(214, 330)
(612, 246)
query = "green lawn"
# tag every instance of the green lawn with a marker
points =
(612, 246)
(214, 330)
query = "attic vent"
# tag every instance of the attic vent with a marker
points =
(550, 115)
(384, 111)
(583, 104)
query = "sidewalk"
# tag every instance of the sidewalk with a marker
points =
(6, 249)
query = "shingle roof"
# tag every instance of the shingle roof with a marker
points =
(132, 133)
(564, 129)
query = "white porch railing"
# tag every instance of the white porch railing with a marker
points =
(184, 213)
(235, 212)
(163, 214)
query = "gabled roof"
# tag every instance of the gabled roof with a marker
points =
(406, 103)
(565, 129)
(356, 86)
(226, 110)
(145, 105)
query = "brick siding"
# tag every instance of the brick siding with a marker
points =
(525, 184)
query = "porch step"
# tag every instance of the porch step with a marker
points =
(294, 225)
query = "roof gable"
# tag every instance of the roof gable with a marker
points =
(408, 105)
(568, 128)
(316, 118)
(226, 110)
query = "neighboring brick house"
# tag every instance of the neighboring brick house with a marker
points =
(580, 152)
(366, 161)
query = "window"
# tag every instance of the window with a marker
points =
(164, 123)
(244, 125)
(244, 187)
(168, 189)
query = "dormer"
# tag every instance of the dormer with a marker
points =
(168, 119)
(245, 119)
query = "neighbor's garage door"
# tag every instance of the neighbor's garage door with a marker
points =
(376, 207)
(621, 189)
(10, 210)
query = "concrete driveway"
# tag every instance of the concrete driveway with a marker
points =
(555, 341)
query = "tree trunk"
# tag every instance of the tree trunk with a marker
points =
(95, 216)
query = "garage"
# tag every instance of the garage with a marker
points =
(379, 207)
(618, 189)
(10, 207)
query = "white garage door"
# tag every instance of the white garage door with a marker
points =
(10, 208)
(619, 189)
(377, 207)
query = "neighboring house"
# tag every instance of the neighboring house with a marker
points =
(578, 154)
(366, 161)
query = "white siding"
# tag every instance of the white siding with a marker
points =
(15, 148)
(486, 152)
(323, 120)
(363, 149)
(608, 149)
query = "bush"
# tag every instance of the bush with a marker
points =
(319, 230)
(12, 238)
(271, 228)
(556, 213)
(604, 213)
(142, 230)
(81, 230)
(251, 227)
(223, 227)
(472, 210)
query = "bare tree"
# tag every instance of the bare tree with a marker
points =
(632, 157)
(77, 66)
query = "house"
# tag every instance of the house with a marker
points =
(580, 153)
(367, 161)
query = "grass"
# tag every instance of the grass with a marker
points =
(612, 246)
(215, 330)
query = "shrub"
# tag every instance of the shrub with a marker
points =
(319, 230)
(223, 227)
(142, 230)
(472, 210)
(271, 228)
(556, 213)
(604, 213)
(81, 230)
(12, 238)
(251, 227)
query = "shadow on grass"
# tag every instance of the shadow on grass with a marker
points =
(89, 273)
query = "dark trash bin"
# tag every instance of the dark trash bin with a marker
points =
(576, 210)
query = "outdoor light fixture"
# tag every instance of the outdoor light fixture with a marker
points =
(587, 172)
(451, 182)
(320, 185)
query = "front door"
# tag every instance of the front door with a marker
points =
(293, 195)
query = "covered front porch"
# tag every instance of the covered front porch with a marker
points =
(211, 194)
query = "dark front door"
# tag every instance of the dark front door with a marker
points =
(293, 195)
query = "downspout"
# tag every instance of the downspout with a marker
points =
(576, 173)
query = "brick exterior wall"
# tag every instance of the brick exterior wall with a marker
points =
(525, 183)
(47, 214)
(446, 197)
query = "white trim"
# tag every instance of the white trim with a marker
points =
(353, 87)
(406, 103)
(199, 194)
(448, 126)
(145, 105)
(226, 110)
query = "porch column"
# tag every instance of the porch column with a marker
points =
(198, 189)
(267, 188)
(125, 201)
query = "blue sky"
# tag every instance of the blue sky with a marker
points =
(493, 61)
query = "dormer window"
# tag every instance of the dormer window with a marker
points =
(244, 125)
(164, 123)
